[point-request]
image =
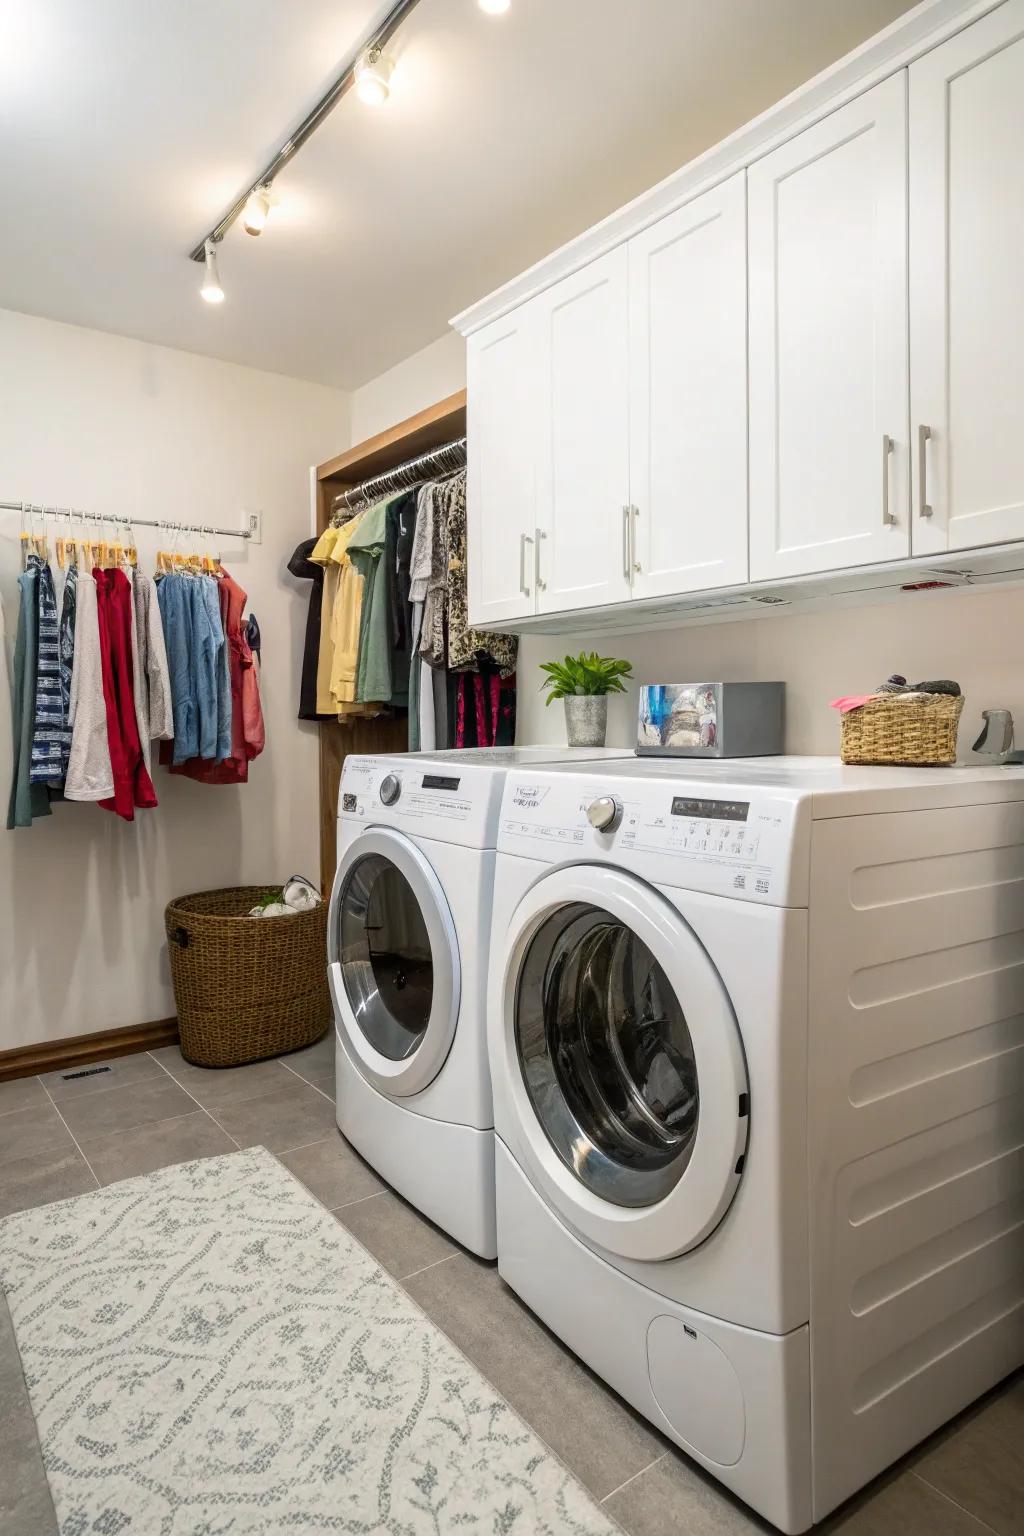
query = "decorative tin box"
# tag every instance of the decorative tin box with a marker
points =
(710, 720)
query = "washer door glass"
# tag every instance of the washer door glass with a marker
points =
(387, 967)
(606, 1056)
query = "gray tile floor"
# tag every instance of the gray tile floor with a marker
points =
(61, 1137)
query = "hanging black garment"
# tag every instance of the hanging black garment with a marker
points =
(399, 528)
(301, 566)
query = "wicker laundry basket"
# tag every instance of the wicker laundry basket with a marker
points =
(246, 988)
(912, 732)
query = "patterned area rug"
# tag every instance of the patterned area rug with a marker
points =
(208, 1353)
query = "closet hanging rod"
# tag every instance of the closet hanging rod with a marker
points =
(310, 123)
(411, 466)
(170, 524)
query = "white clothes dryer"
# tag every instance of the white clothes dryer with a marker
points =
(408, 931)
(754, 1033)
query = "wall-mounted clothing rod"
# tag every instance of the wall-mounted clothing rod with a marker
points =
(75, 514)
(448, 458)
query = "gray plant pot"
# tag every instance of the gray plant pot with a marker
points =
(586, 719)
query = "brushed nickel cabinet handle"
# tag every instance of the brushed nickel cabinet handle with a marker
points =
(887, 516)
(634, 562)
(626, 544)
(541, 585)
(924, 509)
(524, 539)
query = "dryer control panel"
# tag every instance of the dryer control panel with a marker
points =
(752, 846)
(428, 797)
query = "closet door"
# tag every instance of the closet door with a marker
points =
(829, 450)
(583, 467)
(501, 367)
(967, 285)
(688, 396)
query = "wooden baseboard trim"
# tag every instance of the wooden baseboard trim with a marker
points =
(56, 1055)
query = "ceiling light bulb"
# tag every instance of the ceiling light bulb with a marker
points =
(372, 73)
(494, 7)
(211, 290)
(257, 209)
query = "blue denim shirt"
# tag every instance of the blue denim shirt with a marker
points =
(176, 618)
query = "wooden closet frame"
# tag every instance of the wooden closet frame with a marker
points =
(428, 429)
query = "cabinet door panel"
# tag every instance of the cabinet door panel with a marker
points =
(688, 395)
(583, 468)
(501, 366)
(966, 284)
(828, 342)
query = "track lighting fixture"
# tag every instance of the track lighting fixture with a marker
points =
(211, 290)
(494, 7)
(372, 73)
(257, 211)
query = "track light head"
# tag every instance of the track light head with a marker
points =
(211, 290)
(372, 74)
(257, 211)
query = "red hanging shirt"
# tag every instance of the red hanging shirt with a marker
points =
(132, 783)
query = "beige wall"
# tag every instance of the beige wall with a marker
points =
(108, 423)
(421, 380)
(965, 635)
(974, 637)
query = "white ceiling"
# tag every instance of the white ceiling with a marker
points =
(128, 126)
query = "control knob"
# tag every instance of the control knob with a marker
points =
(390, 788)
(605, 813)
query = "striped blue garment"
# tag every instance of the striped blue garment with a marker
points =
(50, 723)
(66, 644)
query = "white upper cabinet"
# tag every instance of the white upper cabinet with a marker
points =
(815, 363)
(688, 396)
(582, 397)
(829, 434)
(500, 487)
(967, 285)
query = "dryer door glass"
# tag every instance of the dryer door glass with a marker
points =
(606, 1056)
(385, 957)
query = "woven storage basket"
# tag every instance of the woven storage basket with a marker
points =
(919, 732)
(246, 988)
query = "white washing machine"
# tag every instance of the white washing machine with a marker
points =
(408, 930)
(756, 1039)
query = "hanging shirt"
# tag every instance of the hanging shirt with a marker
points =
(485, 708)
(153, 709)
(247, 728)
(176, 620)
(304, 568)
(66, 648)
(467, 648)
(321, 555)
(132, 783)
(48, 723)
(90, 775)
(27, 799)
(400, 528)
(428, 574)
(345, 621)
(210, 661)
(366, 550)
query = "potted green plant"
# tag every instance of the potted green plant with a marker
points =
(584, 682)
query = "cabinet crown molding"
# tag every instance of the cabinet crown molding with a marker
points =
(910, 36)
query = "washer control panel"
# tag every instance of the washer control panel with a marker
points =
(726, 844)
